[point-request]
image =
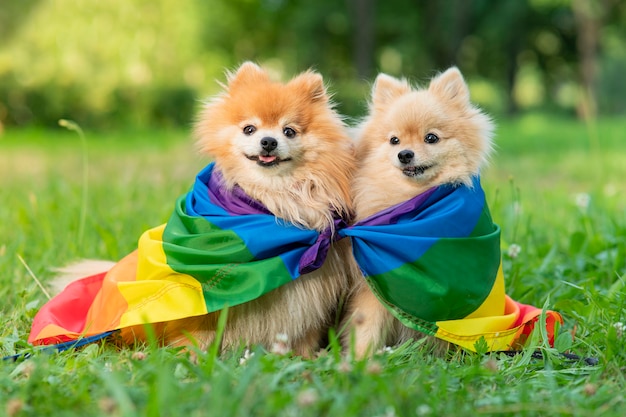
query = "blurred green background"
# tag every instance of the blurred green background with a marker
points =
(110, 64)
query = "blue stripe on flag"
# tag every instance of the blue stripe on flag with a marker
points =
(264, 235)
(450, 211)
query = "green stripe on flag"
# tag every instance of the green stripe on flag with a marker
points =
(219, 260)
(449, 281)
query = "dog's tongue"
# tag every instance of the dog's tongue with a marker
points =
(267, 159)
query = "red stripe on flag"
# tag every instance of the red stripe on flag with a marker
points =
(527, 318)
(79, 295)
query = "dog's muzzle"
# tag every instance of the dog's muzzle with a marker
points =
(406, 158)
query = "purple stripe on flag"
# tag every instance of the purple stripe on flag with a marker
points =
(392, 214)
(235, 201)
(314, 257)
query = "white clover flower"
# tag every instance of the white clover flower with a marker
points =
(514, 250)
(582, 201)
(619, 328)
(423, 410)
(386, 349)
(281, 345)
(246, 355)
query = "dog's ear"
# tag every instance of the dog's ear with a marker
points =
(311, 84)
(386, 89)
(451, 87)
(248, 73)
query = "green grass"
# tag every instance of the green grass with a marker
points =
(572, 256)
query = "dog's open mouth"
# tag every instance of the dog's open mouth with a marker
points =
(414, 171)
(267, 160)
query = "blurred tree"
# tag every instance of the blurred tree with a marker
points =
(455, 17)
(286, 36)
(102, 61)
(591, 16)
(500, 33)
(363, 36)
(145, 62)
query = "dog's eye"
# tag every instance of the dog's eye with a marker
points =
(249, 129)
(431, 138)
(289, 132)
(394, 140)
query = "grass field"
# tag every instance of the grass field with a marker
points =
(555, 186)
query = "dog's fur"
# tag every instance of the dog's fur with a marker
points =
(286, 147)
(391, 171)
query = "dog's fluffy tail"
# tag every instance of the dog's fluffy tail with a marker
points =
(73, 272)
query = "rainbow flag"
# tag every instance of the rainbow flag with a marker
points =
(433, 261)
(219, 248)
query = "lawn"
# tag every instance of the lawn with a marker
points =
(555, 186)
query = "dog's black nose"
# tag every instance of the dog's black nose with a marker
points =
(269, 144)
(405, 156)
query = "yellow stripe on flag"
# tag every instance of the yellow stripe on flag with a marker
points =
(494, 303)
(158, 293)
(492, 320)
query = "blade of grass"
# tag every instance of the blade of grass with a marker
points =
(32, 275)
(214, 349)
(73, 126)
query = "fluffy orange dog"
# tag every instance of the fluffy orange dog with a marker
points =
(412, 140)
(286, 147)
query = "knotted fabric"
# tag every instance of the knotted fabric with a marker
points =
(219, 248)
(434, 262)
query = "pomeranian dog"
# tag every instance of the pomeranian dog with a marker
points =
(411, 140)
(286, 147)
